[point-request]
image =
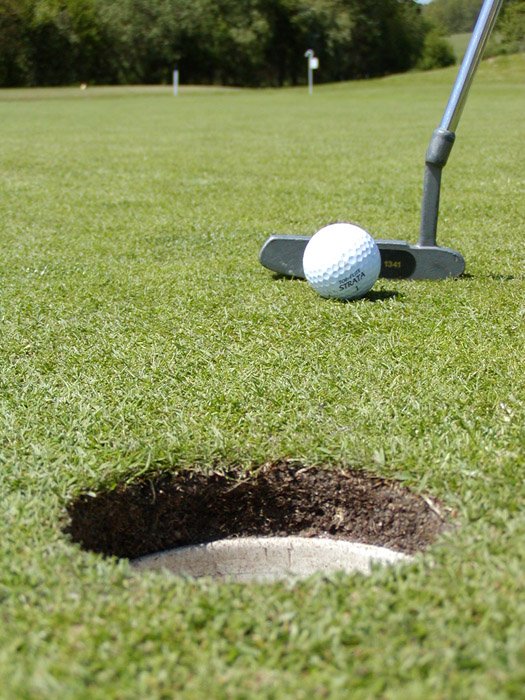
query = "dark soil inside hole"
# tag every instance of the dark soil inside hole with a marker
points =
(189, 507)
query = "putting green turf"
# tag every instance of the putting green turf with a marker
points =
(138, 333)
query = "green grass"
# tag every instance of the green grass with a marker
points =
(138, 330)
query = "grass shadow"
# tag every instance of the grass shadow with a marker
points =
(382, 295)
(373, 295)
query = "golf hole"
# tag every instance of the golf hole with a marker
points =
(280, 521)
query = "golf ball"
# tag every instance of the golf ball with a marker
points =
(342, 261)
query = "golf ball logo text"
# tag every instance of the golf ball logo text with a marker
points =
(353, 280)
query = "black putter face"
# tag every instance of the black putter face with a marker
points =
(397, 264)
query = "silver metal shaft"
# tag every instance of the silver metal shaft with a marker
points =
(443, 137)
(480, 35)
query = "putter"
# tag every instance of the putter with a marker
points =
(283, 254)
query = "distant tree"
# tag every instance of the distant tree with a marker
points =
(65, 41)
(453, 16)
(238, 42)
(511, 26)
(353, 38)
(50, 42)
(436, 52)
(15, 61)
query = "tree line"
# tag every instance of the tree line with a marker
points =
(458, 16)
(231, 42)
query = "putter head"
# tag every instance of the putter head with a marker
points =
(399, 260)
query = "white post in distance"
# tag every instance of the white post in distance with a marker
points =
(176, 82)
(313, 64)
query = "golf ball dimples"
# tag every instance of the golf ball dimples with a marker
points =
(342, 261)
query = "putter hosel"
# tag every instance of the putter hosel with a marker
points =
(435, 160)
